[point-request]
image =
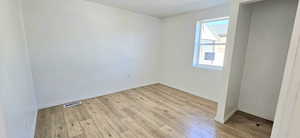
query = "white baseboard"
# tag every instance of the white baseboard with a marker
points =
(190, 92)
(257, 115)
(34, 127)
(43, 106)
(219, 119)
(230, 114)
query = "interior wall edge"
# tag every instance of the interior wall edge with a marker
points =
(18, 107)
(26, 44)
(221, 111)
(22, 20)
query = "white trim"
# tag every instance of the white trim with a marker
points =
(43, 106)
(198, 44)
(34, 127)
(213, 19)
(209, 67)
(249, 1)
(229, 115)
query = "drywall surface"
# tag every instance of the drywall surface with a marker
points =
(287, 111)
(17, 99)
(237, 60)
(81, 49)
(2, 123)
(270, 31)
(177, 55)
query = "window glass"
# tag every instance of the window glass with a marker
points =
(210, 43)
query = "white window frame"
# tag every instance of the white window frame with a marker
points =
(198, 45)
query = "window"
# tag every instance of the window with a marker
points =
(210, 43)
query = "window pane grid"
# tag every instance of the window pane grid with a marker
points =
(215, 44)
(210, 43)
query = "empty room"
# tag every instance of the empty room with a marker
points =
(149, 69)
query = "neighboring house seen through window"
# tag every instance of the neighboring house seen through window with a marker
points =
(210, 43)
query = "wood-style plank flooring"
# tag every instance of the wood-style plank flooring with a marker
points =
(154, 111)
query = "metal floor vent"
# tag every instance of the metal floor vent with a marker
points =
(72, 104)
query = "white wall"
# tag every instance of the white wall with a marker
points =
(17, 99)
(271, 27)
(2, 122)
(287, 114)
(81, 49)
(177, 55)
(237, 60)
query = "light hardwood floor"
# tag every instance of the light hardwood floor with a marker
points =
(154, 111)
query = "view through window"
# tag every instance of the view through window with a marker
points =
(210, 43)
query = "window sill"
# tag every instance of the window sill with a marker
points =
(208, 67)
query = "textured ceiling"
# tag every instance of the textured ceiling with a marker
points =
(162, 8)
